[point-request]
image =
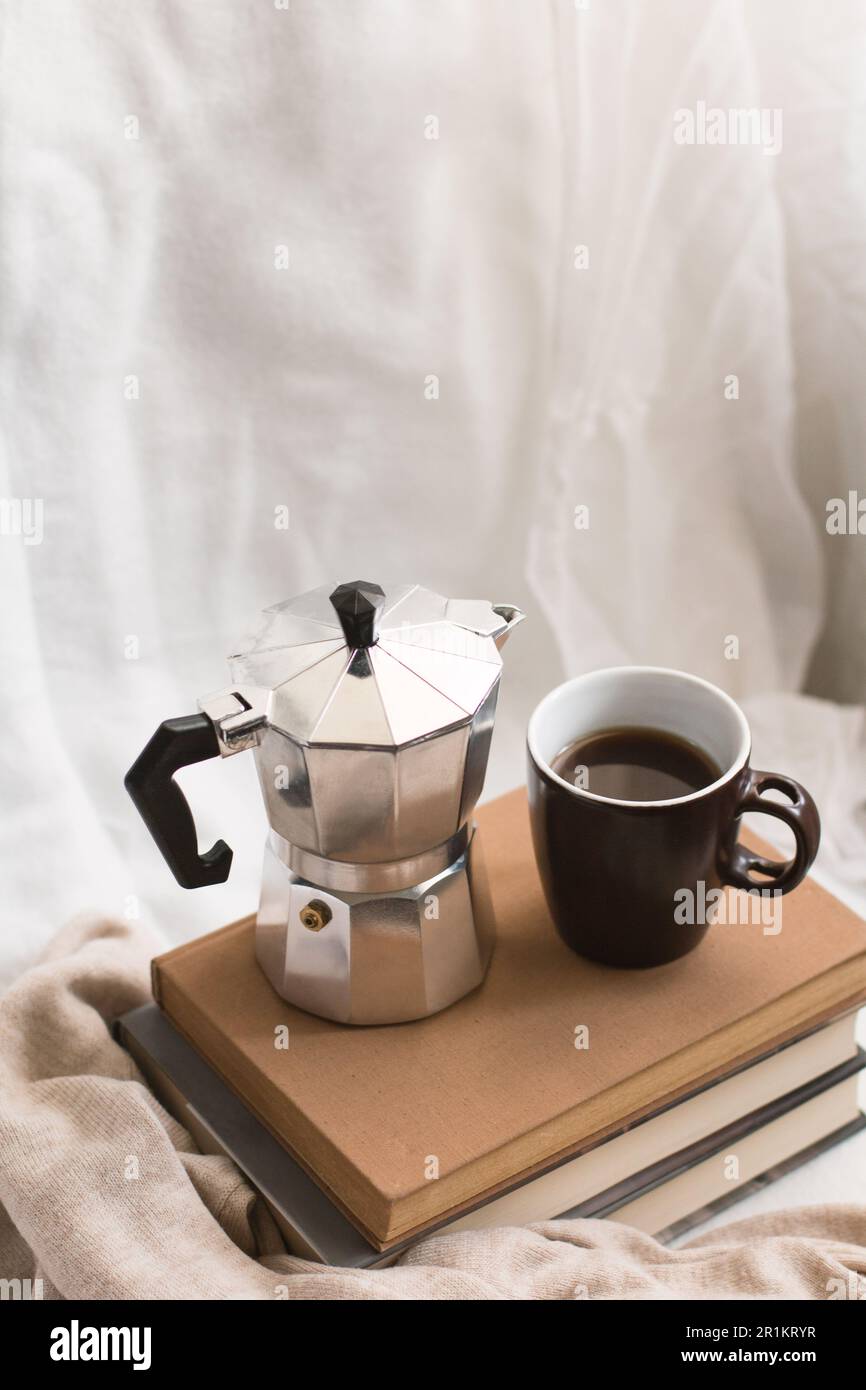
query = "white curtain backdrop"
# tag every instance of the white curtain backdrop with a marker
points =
(326, 257)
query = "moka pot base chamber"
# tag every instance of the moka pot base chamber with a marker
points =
(375, 957)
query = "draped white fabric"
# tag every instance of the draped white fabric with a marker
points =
(327, 258)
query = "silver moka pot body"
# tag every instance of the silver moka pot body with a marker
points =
(370, 713)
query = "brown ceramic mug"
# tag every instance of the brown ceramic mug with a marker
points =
(613, 870)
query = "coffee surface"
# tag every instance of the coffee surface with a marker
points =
(635, 765)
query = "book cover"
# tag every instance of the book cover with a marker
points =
(316, 1228)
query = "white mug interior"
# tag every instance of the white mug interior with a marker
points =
(641, 697)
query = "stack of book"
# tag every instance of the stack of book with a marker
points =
(560, 1088)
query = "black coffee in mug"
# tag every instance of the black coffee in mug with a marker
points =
(665, 779)
(634, 764)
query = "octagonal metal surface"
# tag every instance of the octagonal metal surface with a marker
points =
(380, 958)
(431, 667)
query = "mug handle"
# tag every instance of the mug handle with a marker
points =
(800, 814)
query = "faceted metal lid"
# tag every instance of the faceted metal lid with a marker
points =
(360, 665)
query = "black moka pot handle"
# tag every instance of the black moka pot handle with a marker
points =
(163, 807)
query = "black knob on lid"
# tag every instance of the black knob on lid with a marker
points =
(357, 605)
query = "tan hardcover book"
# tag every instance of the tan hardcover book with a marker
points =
(407, 1124)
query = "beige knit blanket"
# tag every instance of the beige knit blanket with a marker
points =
(104, 1195)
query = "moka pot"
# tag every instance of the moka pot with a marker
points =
(369, 713)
